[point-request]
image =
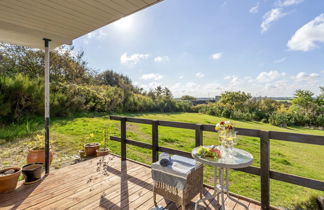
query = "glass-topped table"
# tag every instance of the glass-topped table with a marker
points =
(238, 159)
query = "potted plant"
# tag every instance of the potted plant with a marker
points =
(103, 151)
(32, 172)
(91, 148)
(37, 154)
(9, 179)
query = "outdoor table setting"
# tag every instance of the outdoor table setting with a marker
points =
(222, 158)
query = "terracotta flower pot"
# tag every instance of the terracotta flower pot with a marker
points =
(91, 148)
(102, 152)
(38, 156)
(32, 172)
(9, 182)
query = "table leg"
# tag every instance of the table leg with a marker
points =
(221, 180)
(215, 183)
(215, 193)
(228, 195)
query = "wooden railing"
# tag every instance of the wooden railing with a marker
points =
(264, 171)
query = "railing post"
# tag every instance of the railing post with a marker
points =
(265, 168)
(123, 138)
(155, 140)
(199, 135)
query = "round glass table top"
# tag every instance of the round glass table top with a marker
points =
(238, 159)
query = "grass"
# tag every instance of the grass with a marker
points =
(69, 134)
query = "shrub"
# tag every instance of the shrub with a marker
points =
(20, 95)
(279, 119)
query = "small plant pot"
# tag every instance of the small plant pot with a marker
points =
(102, 152)
(82, 153)
(32, 172)
(8, 182)
(38, 156)
(91, 148)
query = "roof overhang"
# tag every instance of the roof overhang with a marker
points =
(28, 22)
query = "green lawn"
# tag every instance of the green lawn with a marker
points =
(69, 134)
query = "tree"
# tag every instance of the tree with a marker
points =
(111, 78)
(65, 64)
(167, 92)
(234, 99)
(188, 98)
(320, 98)
(303, 98)
(158, 91)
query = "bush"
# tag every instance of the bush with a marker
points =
(237, 105)
(19, 96)
(279, 119)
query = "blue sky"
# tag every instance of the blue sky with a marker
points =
(202, 48)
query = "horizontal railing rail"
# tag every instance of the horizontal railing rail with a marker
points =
(265, 136)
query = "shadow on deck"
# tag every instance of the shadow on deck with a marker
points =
(122, 185)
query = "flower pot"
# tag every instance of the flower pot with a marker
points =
(90, 149)
(32, 172)
(38, 156)
(9, 182)
(102, 152)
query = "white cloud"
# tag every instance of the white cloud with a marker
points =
(234, 80)
(151, 85)
(270, 76)
(307, 37)
(152, 76)
(200, 75)
(255, 9)
(99, 33)
(269, 83)
(286, 3)
(273, 83)
(181, 77)
(160, 59)
(132, 59)
(303, 76)
(270, 17)
(198, 90)
(191, 85)
(216, 56)
(92, 34)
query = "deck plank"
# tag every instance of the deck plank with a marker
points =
(45, 198)
(113, 196)
(99, 185)
(62, 175)
(128, 185)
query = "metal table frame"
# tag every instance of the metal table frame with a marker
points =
(221, 188)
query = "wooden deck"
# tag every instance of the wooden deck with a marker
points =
(123, 185)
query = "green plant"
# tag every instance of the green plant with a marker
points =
(38, 142)
(279, 119)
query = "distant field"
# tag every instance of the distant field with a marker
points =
(69, 134)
